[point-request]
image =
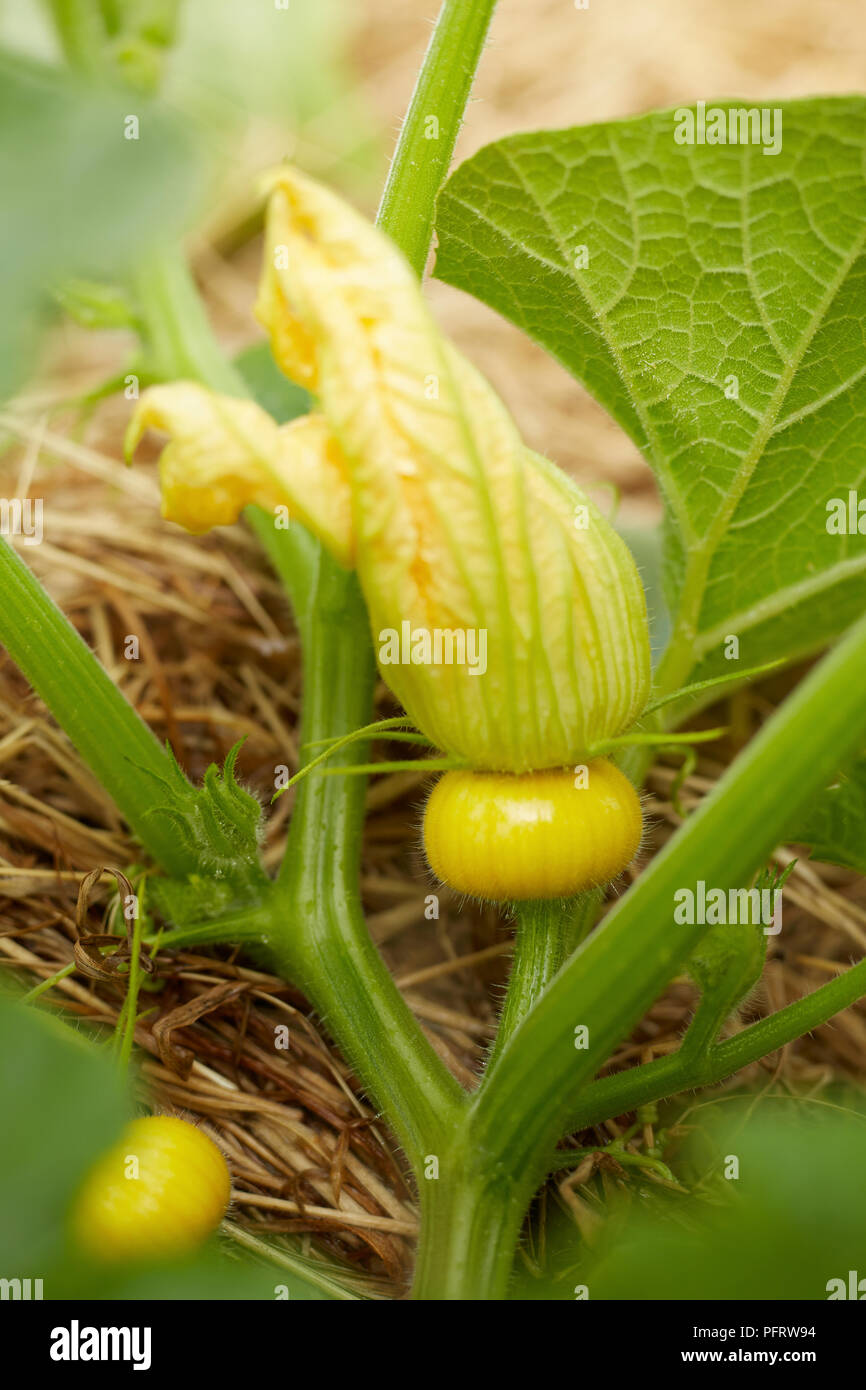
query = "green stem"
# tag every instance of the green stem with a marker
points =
(546, 933)
(319, 937)
(710, 1015)
(180, 341)
(682, 1071)
(293, 555)
(470, 1225)
(44, 985)
(431, 125)
(111, 738)
(81, 31)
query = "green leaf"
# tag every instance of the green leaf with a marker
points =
(834, 826)
(790, 1222)
(213, 1275)
(61, 1103)
(705, 263)
(645, 544)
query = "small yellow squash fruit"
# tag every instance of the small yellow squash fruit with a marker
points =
(156, 1194)
(547, 834)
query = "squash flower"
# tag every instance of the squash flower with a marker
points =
(508, 616)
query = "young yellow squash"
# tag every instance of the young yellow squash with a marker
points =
(157, 1193)
(507, 837)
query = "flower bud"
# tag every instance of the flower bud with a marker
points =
(507, 615)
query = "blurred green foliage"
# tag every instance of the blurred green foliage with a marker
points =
(237, 67)
(241, 87)
(793, 1218)
(834, 826)
(62, 1103)
(79, 197)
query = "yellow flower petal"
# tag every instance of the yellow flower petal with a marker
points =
(457, 525)
(415, 472)
(226, 453)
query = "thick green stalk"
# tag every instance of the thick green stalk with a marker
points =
(111, 738)
(610, 981)
(81, 31)
(431, 125)
(470, 1224)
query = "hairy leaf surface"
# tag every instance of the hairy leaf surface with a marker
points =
(713, 299)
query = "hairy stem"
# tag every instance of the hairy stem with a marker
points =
(470, 1225)
(431, 125)
(319, 937)
(546, 934)
(682, 1071)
